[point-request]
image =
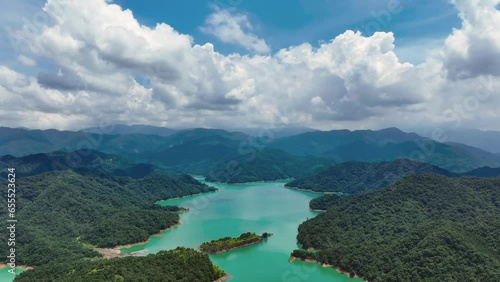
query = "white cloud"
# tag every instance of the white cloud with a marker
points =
(235, 28)
(351, 81)
(474, 49)
(27, 61)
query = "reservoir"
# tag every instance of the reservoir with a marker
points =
(238, 208)
(235, 209)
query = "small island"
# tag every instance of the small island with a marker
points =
(227, 243)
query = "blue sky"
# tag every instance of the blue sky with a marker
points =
(243, 63)
(283, 23)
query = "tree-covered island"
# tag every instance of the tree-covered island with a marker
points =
(227, 243)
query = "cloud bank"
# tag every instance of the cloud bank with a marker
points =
(111, 69)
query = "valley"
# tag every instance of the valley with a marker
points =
(117, 198)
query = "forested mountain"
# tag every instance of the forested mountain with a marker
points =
(386, 145)
(325, 202)
(423, 228)
(22, 142)
(179, 265)
(274, 132)
(61, 213)
(357, 177)
(484, 172)
(82, 159)
(484, 139)
(264, 165)
(317, 143)
(201, 150)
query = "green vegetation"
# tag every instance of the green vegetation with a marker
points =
(61, 214)
(179, 265)
(484, 172)
(385, 145)
(228, 243)
(265, 165)
(423, 228)
(82, 159)
(357, 177)
(325, 202)
(211, 151)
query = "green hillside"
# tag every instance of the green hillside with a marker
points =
(82, 159)
(265, 165)
(385, 145)
(179, 265)
(484, 172)
(423, 228)
(357, 177)
(61, 214)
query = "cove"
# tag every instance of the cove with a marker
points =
(238, 208)
(5, 276)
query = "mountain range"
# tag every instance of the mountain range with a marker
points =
(207, 151)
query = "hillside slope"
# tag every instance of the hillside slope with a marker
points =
(63, 212)
(385, 145)
(423, 228)
(357, 177)
(179, 265)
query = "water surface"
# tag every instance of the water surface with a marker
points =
(254, 207)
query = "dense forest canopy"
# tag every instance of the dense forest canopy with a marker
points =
(357, 177)
(62, 213)
(385, 145)
(201, 151)
(265, 165)
(325, 202)
(179, 265)
(228, 243)
(423, 228)
(484, 172)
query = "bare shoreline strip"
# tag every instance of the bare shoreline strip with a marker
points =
(339, 270)
(187, 196)
(224, 278)
(312, 191)
(116, 252)
(25, 267)
(238, 247)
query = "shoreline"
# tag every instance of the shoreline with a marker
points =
(339, 270)
(25, 267)
(252, 182)
(115, 252)
(224, 278)
(238, 247)
(225, 251)
(312, 191)
(317, 210)
(182, 197)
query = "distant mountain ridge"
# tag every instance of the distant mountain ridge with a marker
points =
(485, 139)
(385, 145)
(131, 129)
(357, 177)
(484, 172)
(200, 150)
(82, 159)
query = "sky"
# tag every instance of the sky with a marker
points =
(326, 64)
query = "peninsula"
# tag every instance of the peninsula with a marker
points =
(227, 243)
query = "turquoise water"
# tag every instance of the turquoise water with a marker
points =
(5, 276)
(255, 207)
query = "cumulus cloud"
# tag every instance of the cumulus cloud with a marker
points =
(474, 49)
(235, 28)
(350, 81)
